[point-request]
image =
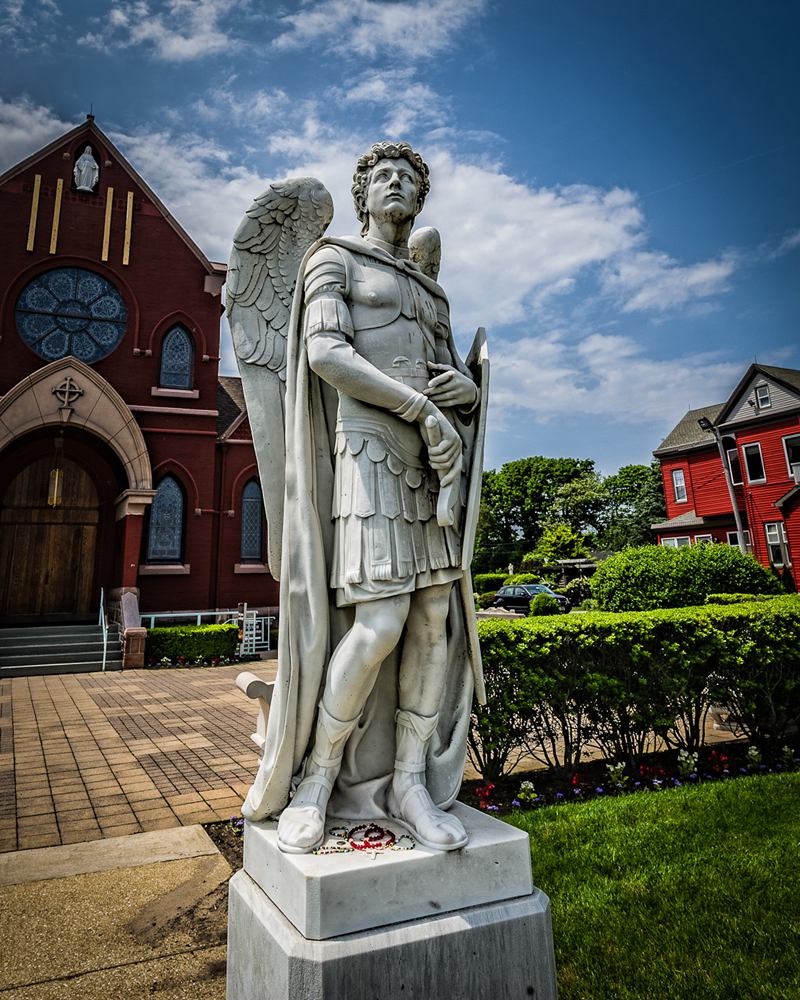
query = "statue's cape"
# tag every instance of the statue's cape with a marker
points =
(311, 625)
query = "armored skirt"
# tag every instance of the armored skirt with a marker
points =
(387, 540)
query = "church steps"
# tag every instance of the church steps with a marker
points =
(57, 649)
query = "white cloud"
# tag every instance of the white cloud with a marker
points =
(175, 30)
(26, 127)
(407, 102)
(649, 280)
(606, 376)
(26, 25)
(409, 29)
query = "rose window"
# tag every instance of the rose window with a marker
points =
(71, 311)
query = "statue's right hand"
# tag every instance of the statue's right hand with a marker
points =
(444, 446)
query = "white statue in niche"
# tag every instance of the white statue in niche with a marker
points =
(368, 431)
(86, 171)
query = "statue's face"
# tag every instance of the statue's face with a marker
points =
(392, 191)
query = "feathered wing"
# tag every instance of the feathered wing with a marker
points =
(268, 247)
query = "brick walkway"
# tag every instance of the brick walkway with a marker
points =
(85, 756)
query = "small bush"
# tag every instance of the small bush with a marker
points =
(544, 604)
(485, 600)
(656, 576)
(193, 642)
(483, 582)
(577, 590)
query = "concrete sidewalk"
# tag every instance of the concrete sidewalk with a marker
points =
(128, 917)
(90, 756)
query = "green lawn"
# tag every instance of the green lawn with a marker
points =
(689, 893)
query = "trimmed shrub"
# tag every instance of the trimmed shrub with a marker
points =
(519, 578)
(484, 582)
(735, 598)
(616, 681)
(577, 590)
(544, 604)
(656, 576)
(485, 600)
(193, 642)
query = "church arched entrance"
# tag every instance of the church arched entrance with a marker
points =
(57, 528)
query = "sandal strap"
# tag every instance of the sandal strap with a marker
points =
(318, 779)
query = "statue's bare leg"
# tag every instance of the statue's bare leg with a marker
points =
(352, 672)
(423, 669)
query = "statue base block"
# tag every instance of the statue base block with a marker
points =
(490, 952)
(327, 895)
(390, 925)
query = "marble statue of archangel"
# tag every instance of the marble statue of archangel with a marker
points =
(87, 171)
(368, 431)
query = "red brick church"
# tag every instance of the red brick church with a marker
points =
(126, 459)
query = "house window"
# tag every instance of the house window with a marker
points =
(679, 485)
(777, 543)
(177, 360)
(754, 463)
(734, 463)
(165, 532)
(703, 539)
(676, 543)
(252, 542)
(762, 397)
(791, 446)
(733, 538)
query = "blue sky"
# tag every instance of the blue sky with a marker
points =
(616, 183)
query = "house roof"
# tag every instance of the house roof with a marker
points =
(230, 402)
(686, 435)
(789, 377)
(90, 128)
(689, 519)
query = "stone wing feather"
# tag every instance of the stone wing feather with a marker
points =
(268, 246)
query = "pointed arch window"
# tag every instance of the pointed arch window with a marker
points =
(252, 541)
(165, 533)
(177, 360)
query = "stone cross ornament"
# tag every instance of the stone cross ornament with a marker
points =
(368, 430)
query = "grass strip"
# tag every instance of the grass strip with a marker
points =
(691, 894)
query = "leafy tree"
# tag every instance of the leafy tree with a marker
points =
(633, 500)
(518, 501)
(560, 541)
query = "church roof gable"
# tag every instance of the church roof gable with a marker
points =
(90, 129)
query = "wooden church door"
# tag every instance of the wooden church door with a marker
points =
(48, 538)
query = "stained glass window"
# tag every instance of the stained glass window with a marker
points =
(252, 523)
(177, 357)
(68, 310)
(165, 537)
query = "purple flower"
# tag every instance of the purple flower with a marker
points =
(657, 783)
(676, 783)
(576, 791)
(637, 784)
(693, 776)
(726, 772)
(743, 770)
(492, 809)
(599, 791)
(559, 796)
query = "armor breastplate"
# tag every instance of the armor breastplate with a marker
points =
(394, 319)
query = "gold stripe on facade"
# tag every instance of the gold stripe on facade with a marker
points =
(37, 187)
(126, 250)
(107, 223)
(56, 216)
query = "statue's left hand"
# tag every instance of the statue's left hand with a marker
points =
(450, 387)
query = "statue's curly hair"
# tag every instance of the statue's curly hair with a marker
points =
(386, 151)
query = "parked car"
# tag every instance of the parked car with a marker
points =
(519, 597)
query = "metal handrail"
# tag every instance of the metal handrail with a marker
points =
(102, 621)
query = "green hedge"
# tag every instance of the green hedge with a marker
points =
(484, 582)
(516, 579)
(655, 576)
(560, 685)
(735, 598)
(193, 642)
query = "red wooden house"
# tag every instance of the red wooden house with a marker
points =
(754, 438)
(126, 461)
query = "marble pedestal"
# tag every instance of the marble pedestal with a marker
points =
(391, 925)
